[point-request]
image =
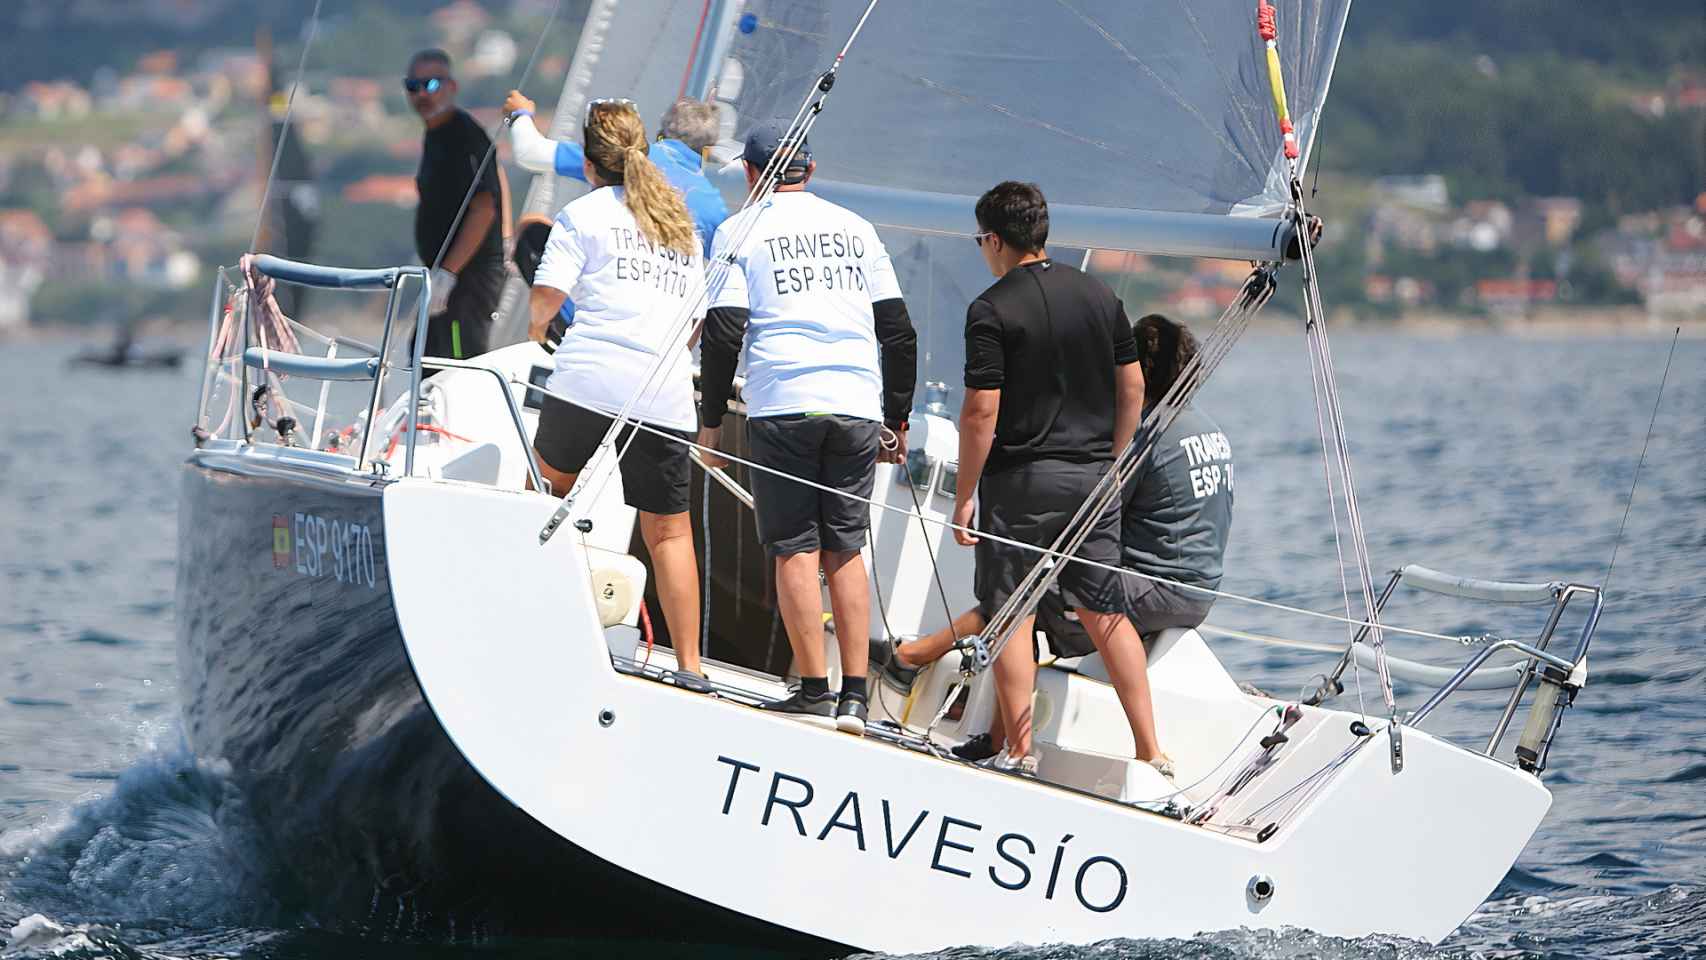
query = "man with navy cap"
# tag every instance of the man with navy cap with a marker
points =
(831, 361)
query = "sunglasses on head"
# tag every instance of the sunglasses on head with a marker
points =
(586, 116)
(417, 84)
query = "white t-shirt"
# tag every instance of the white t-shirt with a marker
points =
(627, 297)
(807, 273)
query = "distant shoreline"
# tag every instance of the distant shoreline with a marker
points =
(1582, 322)
(1560, 322)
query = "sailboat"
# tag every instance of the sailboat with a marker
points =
(442, 703)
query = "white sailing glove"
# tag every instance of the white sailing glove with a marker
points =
(443, 281)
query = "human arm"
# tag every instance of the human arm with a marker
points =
(977, 435)
(542, 305)
(986, 374)
(560, 268)
(1128, 403)
(722, 336)
(533, 152)
(897, 347)
(1128, 377)
(719, 354)
(476, 222)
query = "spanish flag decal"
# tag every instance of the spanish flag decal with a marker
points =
(280, 542)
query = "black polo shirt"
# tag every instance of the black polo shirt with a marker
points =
(1048, 337)
(450, 155)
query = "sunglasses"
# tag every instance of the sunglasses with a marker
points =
(417, 84)
(586, 116)
(978, 238)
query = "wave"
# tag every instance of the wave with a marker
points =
(167, 865)
(170, 847)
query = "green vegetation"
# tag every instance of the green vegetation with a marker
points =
(111, 304)
(1538, 125)
(1508, 100)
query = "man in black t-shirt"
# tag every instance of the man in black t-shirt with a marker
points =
(466, 284)
(1052, 391)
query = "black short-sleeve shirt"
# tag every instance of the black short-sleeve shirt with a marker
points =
(1049, 338)
(450, 155)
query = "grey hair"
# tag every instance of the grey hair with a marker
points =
(430, 55)
(693, 122)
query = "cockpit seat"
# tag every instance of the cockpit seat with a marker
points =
(1178, 658)
(479, 464)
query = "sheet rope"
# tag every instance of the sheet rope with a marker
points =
(1044, 552)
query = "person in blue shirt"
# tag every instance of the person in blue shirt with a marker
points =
(688, 129)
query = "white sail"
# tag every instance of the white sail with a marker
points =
(1158, 106)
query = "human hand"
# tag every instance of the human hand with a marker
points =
(515, 101)
(443, 281)
(554, 333)
(964, 513)
(709, 439)
(891, 444)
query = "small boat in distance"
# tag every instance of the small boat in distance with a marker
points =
(126, 353)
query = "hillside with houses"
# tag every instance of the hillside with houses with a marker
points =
(1468, 170)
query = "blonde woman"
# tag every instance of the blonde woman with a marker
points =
(629, 256)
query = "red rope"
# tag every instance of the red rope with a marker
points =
(646, 631)
(1267, 20)
(692, 55)
(391, 447)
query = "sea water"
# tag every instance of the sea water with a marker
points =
(1492, 456)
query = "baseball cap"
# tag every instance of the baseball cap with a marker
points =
(763, 142)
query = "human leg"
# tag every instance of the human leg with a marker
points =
(850, 600)
(657, 481)
(800, 602)
(473, 307)
(787, 520)
(924, 650)
(559, 481)
(847, 465)
(1015, 682)
(669, 540)
(1128, 671)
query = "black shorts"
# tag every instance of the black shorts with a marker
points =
(836, 451)
(1154, 607)
(1031, 503)
(1066, 634)
(656, 474)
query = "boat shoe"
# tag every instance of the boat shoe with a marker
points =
(1004, 762)
(896, 674)
(850, 715)
(977, 748)
(818, 710)
(1163, 765)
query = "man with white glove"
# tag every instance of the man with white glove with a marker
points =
(468, 268)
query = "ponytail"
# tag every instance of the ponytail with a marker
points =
(656, 205)
(615, 141)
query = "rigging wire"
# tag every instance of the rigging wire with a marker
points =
(284, 127)
(745, 221)
(1650, 421)
(1045, 552)
(1258, 288)
(890, 441)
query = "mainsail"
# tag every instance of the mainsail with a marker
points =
(1149, 125)
(1158, 106)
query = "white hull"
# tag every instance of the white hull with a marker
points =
(801, 827)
